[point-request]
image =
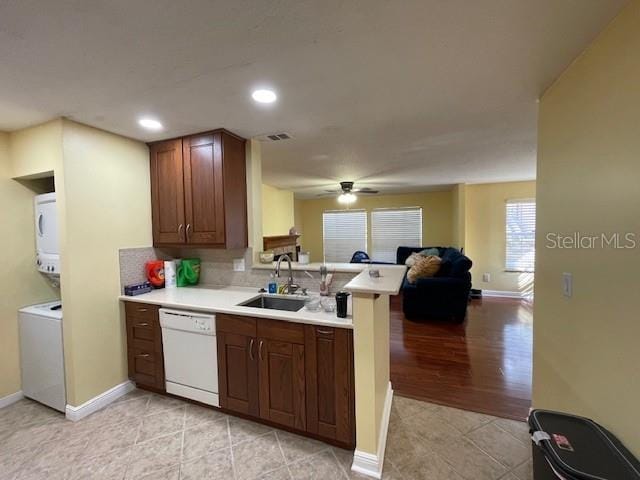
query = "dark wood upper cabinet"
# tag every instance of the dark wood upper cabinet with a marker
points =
(167, 192)
(204, 189)
(199, 191)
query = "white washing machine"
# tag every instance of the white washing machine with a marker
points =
(41, 354)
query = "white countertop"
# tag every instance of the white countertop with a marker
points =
(314, 267)
(389, 282)
(226, 300)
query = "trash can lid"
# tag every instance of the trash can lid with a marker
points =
(577, 447)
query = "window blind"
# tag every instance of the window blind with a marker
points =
(344, 233)
(392, 228)
(521, 235)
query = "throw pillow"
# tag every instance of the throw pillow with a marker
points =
(411, 259)
(427, 252)
(424, 268)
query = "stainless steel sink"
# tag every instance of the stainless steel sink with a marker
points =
(275, 303)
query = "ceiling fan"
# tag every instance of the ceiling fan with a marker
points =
(347, 192)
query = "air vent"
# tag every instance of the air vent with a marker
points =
(274, 137)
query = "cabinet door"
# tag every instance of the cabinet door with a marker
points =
(282, 383)
(167, 192)
(203, 183)
(329, 374)
(238, 373)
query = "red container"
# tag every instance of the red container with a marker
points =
(155, 273)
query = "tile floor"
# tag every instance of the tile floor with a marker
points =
(146, 436)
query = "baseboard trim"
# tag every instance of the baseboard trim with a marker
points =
(367, 463)
(12, 398)
(99, 401)
(505, 294)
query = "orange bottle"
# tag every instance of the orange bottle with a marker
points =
(155, 273)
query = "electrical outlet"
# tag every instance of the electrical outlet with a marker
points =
(567, 284)
(238, 264)
(486, 277)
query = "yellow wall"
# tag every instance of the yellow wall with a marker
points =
(37, 150)
(371, 364)
(277, 211)
(108, 207)
(586, 353)
(485, 234)
(20, 283)
(436, 216)
(298, 218)
(459, 200)
(103, 200)
(254, 196)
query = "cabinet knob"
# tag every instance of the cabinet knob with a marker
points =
(142, 355)
(188, 230)
(142, 324)
(324, 332)
(180, 229)
(260, 349)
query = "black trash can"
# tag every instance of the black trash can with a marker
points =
(576, 448)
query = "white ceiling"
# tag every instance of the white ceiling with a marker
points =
(400, 95)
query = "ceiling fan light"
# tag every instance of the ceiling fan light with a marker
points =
(347, 198)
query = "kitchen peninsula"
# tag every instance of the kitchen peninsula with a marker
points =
(306, 371)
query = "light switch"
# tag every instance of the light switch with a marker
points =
(486, 277)
(567, 284)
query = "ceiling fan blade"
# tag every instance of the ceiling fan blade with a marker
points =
(366, 190)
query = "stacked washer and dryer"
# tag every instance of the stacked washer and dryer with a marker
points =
(41, 350)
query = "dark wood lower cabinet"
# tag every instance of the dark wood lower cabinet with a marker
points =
(329, 382)
(282, 383)
(303, 375)
(144, 345)
(238, 373)
(286, 374)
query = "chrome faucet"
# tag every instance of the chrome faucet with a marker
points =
(290, 287)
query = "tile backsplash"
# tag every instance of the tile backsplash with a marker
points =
(132, 262)
(216, 268)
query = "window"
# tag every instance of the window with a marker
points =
(521, 235)
(392, 228)
(344, 233)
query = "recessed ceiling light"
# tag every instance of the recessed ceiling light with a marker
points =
(150, 124)
(264, 96)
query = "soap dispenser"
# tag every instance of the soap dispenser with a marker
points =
(272, 286)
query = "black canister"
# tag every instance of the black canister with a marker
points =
(341, 304)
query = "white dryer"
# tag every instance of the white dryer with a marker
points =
(47, 235)
(41, 354)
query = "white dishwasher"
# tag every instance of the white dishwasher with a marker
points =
(190, 355)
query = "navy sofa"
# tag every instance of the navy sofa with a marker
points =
(443, 297)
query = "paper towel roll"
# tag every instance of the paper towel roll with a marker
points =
(170, 269)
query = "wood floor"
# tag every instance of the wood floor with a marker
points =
(483, 365)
